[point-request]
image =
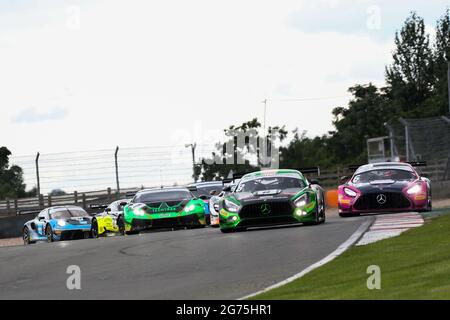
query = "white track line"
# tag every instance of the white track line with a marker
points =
(341, 249)
(390, 226)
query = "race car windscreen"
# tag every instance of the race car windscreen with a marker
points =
(384, 174)
(206, 190)
(270, 183)
(161, 196)
(68, 213)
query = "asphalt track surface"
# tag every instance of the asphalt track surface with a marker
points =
(182, 264)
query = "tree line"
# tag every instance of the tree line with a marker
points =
(416, 87)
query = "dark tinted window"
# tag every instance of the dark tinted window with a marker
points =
(270, 183)
(67, 213)
(158, 196)
(206, 190)
(384, 174)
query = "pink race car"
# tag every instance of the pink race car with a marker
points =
(384, 187)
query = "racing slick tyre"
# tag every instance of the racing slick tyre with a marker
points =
(312, 223)
(94, 229)
(49, 233)
(26, 237)
(324, 218)
(121, 225)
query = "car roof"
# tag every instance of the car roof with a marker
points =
(65, 207)
(274, 173)
(154, 190)
(206, 183)
(385, 165)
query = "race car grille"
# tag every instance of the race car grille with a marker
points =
(266, 210)
(83, 221)
(141, 224)
(166, 223)
(393, 201)
(174, 206)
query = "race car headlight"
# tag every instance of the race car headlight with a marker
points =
(350, 192)
(301, 201)
(61, 223)
(139, 212)
(414, 189)
(230, 206)
(190, 208)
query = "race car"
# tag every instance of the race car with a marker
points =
(214, 204)
(272, 197)
(204, 191)
(58, 223)
(385, 187)
(163, 208)
(111, 220)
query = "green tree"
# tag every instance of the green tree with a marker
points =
(410, 78)
(441, 60)
(11, 177)
(208, 170)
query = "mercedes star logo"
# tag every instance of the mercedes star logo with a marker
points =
(381, 198)
(265, 208)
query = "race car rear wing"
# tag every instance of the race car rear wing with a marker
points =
(418, 163)
(315, 170)
(130, 194)
(98, 206)
(192, 188)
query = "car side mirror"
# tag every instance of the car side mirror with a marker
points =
(314, 181)
(227, 189)
(123, 204)
(41, 218)
(213, 192)
(108, 210)
(203, 197)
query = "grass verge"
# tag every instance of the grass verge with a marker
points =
(414, 265)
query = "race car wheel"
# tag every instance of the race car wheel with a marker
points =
(324, 218)
(121, 224)
(315, 221)
(26, 237)
(94, 228)
(49, 233)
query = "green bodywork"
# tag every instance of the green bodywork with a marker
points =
(304, 214)
(194, 208)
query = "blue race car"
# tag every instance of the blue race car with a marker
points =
(58, 223)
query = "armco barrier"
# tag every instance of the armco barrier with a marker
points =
(11, 227)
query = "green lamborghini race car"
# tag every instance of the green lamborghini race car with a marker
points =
(163, 208)
(272, 197)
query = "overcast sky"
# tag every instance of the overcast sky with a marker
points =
(86, 75)
(81, 75)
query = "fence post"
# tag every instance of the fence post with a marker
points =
(75, 197)
(16, 206)
(37, 174)
(109, 194)
(8, 206)
(83, 196)
(117, 169)
(41, 201)
(49, 200)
